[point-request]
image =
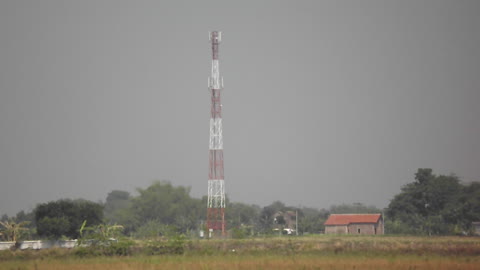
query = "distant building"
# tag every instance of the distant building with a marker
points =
(476, 228)
(285, 221)
(370, 224)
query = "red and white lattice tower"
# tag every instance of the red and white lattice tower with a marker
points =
(216, 183)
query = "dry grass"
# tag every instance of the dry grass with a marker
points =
(318, 252)
(378, 245)
(251, 262)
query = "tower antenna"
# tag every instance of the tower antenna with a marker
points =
(216, 183)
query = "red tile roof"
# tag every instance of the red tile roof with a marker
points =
(345, 219)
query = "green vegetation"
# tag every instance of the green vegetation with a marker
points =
(64, 217)
(22, 226)
(434, 205)
(431, 205)
(13, 230)
(312, 252)
(166, 204)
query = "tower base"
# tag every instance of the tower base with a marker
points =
(216, 221)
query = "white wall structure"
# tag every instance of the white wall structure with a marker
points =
(40, 244)
(6, 245)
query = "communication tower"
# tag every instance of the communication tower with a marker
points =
(216, 183)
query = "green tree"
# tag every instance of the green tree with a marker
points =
(355, 208)
(64, 217)
(53, 227)
(241, 214)
(310, 220)
(116, 203)
(168, 205)
(22, 216)
(433, 205)
(465, 209)
(154, 229)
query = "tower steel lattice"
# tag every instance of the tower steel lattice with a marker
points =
(216, 183)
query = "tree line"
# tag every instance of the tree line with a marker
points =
(432, 204)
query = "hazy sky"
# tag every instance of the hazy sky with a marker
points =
(325, 102)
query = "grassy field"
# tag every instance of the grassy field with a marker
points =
(316, 252)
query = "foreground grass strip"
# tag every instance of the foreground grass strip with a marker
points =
(315, 252)
(239, 262)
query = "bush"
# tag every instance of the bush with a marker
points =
(85, 252)
(238, 233)
(174, 245)
(122, 248)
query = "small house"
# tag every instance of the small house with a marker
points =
(285, 221)
(370, 224)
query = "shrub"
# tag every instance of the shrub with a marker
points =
(174, 245)
(121, 248)
(86, 252)
(238, 233)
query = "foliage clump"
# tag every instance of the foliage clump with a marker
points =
(172, 245)
(434, 205)
(13, 230)
(64, 217)
(431, 205)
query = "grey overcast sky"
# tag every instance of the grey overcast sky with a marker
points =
(325, 102)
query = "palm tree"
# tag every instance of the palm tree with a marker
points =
(12, 229)
(101, 232)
